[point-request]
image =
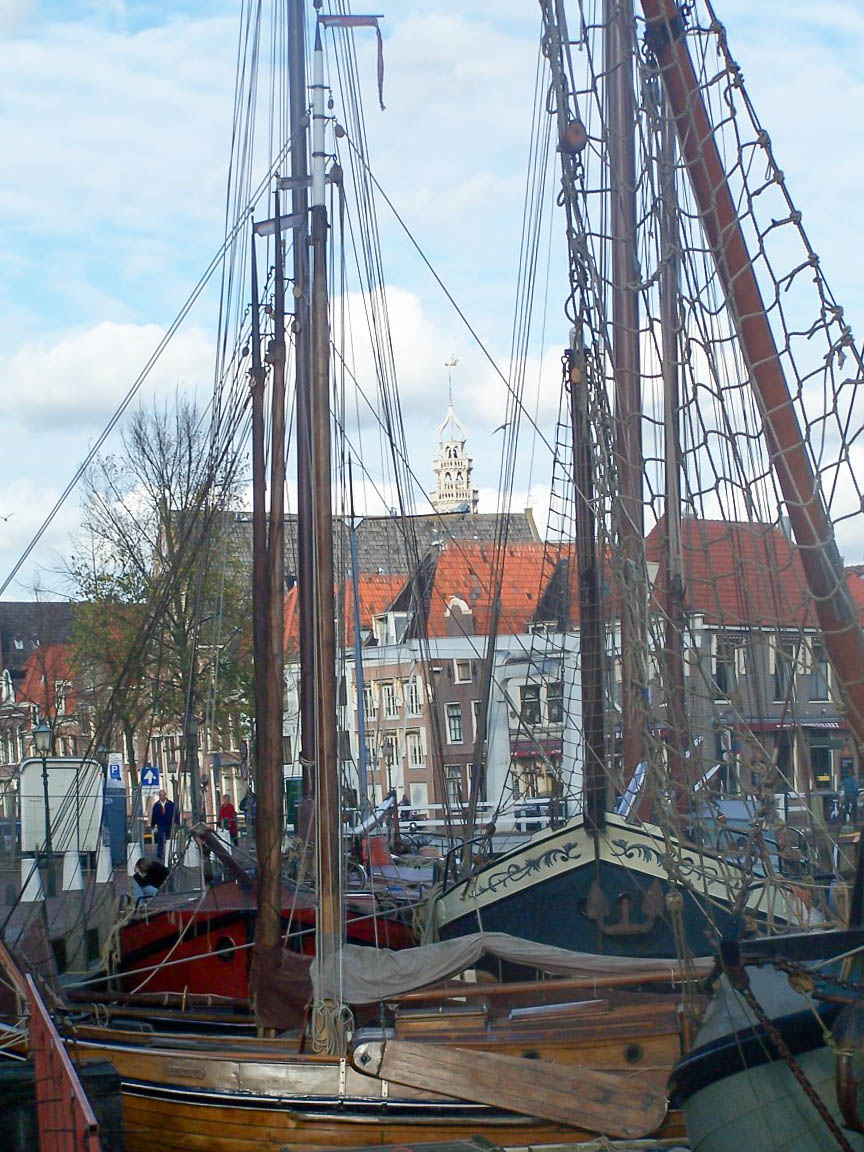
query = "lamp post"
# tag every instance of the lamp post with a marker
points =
(192, 766)
(42, 744)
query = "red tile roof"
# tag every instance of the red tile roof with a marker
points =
(376, 593)
(468, 572)
(738, 573)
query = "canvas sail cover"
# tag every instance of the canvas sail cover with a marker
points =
(367, 975)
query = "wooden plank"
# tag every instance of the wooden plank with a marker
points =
(579, 1097)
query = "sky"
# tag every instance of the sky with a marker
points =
(115, 127)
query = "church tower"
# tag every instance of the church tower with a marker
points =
(453, 468)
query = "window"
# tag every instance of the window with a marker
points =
(454, 723)
(463, 671)
(725, 666)
(413, 696)
(453, 779)
(370, 701)
(529, 712)
(414, 748)
(287, 758)
(555, 702)
(390, 698)
(390, 628)
(819, 672)
(784, 660)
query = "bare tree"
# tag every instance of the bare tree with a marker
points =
(161, 587)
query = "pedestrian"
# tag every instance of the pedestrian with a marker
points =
(228, 817)
(849, 792)
(148, 878)
(162, 822)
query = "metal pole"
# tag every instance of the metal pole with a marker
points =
(48, 847)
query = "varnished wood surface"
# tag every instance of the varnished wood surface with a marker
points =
(264, 1096)
(577, 1097)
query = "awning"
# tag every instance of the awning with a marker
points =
(786, 725)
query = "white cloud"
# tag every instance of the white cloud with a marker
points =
(75, 383)
(13, 15)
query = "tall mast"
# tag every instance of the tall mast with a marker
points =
(299, 182)
(670, 326)
(326, 763)
(270, 788)
(259, 517)
(620, 126)
(572, 140)
(802, 493)
(590, 622)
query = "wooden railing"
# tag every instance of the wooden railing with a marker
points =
(66, 1120)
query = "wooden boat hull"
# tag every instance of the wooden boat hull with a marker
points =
(258, 1096)
(205, 946)
(555, 890)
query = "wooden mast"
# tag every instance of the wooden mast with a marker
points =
(298, 103)
(269, 779)
(259, 513)
(572, 140)
(590, 620)
(811, 525)
(621, 127)
(677, 740)
(328, 826)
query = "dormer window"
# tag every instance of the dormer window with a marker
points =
(390, 627)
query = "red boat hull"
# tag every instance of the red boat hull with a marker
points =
(204, 946)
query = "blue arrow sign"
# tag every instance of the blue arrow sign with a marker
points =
(150, 776)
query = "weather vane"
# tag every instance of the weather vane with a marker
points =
(450, 365)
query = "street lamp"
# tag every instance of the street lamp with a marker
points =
(42, 744)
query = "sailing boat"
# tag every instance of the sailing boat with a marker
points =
(523, 1063)
(720, 631)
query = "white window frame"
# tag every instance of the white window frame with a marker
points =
(413, 696)
(453, 712)
(415, 753)
(390, 699)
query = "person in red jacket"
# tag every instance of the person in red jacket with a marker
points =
(228, 818)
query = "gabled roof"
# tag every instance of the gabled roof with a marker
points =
(376, 593)
(738, 573)
(467, 573)
(390, 544)
(24, 625)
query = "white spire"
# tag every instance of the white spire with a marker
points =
(452, 466)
